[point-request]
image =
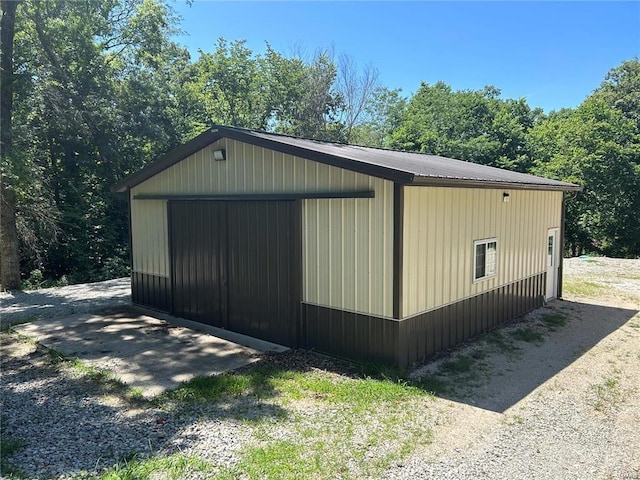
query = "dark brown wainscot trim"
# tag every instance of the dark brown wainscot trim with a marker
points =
(352, 335)
(151, 291)
(425, 334)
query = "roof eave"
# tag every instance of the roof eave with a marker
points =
(217, 132)
(493, 184)
(174, 156)
(378, 171)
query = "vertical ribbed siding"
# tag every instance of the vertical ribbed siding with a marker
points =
(440, 226)
(347, 244)
(428, 333)
(150, 251)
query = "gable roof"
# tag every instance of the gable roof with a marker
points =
(406, 168)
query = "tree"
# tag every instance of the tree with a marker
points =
(382, 116)
(357, 88)
(476, 126)
(9, 246)
(598, 148)
(99, 97)
(313, 103)
(621, 89)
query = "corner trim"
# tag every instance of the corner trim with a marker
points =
(398, 240)
(561, 245)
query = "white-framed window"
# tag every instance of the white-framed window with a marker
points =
(485, 258)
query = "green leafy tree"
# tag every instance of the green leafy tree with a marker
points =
(382, 116)
(476, 126)
(91, 104)
(9, 247)
(621, 89)
(597, 147)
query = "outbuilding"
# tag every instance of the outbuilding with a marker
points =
(365, 253)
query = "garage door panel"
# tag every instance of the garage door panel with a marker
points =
(260, 254)
(233, 266)
(196, 245)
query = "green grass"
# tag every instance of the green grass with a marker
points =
(527, 334)
(434, 384)
(584, 288)
(500, 341)
(554, 320)
(173, 467)
(105, 378)
(332, 420)
(282, 459)
(461, 363)
(8, 447)
(607, 394)
(214, 388)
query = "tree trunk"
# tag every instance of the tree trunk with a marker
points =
(9, 250)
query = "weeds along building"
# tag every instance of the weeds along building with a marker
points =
(357, 252)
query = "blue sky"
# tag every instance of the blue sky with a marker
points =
(552, 53)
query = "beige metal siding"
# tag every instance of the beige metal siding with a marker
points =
(347, 243)
(440, 226)
(150, 252)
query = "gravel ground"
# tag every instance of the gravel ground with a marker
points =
(565, 408)
(75, 429)
(57, 302)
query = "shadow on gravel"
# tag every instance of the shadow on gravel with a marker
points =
(68, 427)
(500, 369)
(144, 352)
(61, 424)
(19, 306)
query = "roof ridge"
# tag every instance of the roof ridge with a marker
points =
(327, 142)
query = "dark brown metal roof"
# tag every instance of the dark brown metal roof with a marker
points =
(403, 167)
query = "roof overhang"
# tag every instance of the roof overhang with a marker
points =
(495, 184)
(217, 132)
(261, 139)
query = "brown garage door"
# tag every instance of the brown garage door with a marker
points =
(235, 265)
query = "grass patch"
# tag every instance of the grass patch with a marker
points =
(583, 288)
(527, 334)
(501, 342)
(173, 467)
(554, 320)
(216, 387)
(8, 447)
(359, 393)
(336, 422)
(433, 384)
(282, 459)
(460, 364)
(105, 378)
(607, 394)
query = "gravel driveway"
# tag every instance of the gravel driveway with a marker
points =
(562, 404)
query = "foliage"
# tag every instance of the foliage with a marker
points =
(8, 447)
(172, 467)
(598, 147)
(476, 126)
(99, 89)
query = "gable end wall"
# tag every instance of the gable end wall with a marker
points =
(347, 243)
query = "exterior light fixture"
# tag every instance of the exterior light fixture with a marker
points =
(505, 197)
(219, 155)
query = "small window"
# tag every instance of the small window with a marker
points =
(485, 258)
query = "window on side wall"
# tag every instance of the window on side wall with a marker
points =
(485, 258)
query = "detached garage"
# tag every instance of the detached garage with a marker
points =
(358, 252)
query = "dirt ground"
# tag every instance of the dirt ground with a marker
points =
(565, 403)
(554, 396)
